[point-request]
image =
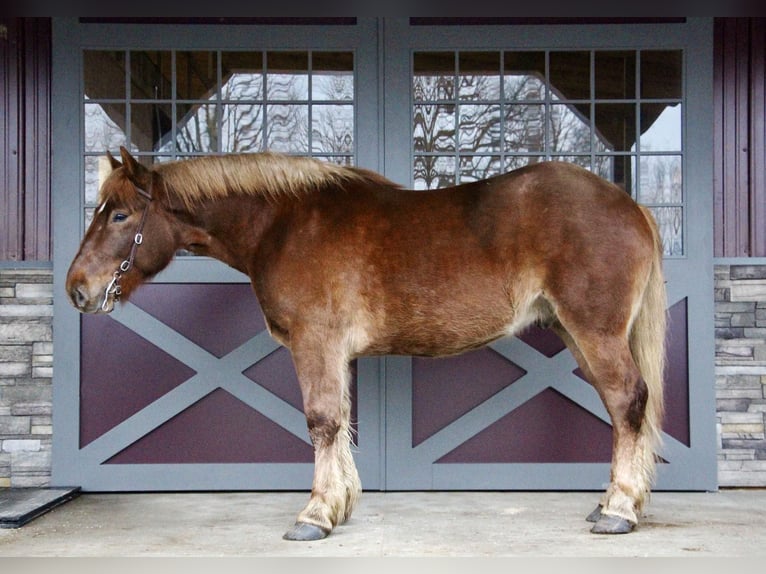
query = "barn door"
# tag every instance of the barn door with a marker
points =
(630, 103)
(182, 388)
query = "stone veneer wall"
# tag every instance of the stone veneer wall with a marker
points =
(740, 369)
(26, 350)
(26, 370)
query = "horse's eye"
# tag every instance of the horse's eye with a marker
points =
(117, 217)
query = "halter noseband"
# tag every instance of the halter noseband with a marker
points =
(113, 290)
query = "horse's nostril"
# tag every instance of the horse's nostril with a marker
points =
(78, 297)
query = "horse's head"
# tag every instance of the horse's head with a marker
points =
(130, 239)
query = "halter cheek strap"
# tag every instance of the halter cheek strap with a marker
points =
(113, 289)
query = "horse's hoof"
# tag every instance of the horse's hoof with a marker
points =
(303, 531)
(595, 515)
(608, 524)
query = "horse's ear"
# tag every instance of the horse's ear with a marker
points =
(137, 173)
(113, 161)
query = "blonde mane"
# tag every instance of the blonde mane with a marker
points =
(268, 174)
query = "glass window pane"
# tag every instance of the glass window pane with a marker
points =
(196, 128)
(434, 76)
(287, 128)
(242, 128)
(479, 77)
(570, 75)
(151, 75)
(97, 168)
(150, 125)
(479, 128)
(616, 126)
(287, 77)
(196, 75)
(476, 167)
(618, 169)
(570, 128)
(518, 161)
(333, 76)
(661, 74)
(104, 74)
(104, 127)
(433, 172)
(661, 179)
(346, 160)
(524, 128)
(242, 75)
(615, 75)
(332, 129)
(434, 128)
(670, 222)
(660, 127)
(524, 76)
(581, 160)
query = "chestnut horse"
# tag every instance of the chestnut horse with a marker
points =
(346, 263)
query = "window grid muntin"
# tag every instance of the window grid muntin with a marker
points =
(594, 156)
(127, 136)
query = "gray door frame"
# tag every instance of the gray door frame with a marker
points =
(84, 467)
(688, 277)
(383, 48)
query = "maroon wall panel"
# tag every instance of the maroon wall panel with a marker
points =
(217, 429)
(25, 209)
(740, 150)
(120, 374)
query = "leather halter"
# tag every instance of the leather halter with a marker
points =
(113, 290)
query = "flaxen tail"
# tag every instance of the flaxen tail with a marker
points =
(647, 344)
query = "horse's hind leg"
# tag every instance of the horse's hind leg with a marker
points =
(608, 364)
(324, 379)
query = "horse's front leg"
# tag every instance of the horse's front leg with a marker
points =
(324, 378)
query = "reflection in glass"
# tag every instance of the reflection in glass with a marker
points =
(242, 75)
(242, 128)
(196, 75)
(524, 76)
(616, 168)
(333, 76)
(570, 75)
(479, 128)
(102, 130)
(615, 75)
(476, 167)
(346, 160)
(661, 179)
(104, 74)
(287, 128)
(434, 128)
(97, 168)
(661, 74)
(670, 221)
(569, 128)
(151, 125)
(151, 75)
(660, 127)
(287, 77)
(434, 76)
(524, 128)
(516, 161)
(616, 126)
(197, 128)
(581, 160)
(479, 77)
(332, 129)
(433, 172)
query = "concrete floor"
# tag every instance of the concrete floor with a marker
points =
(475, 524)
